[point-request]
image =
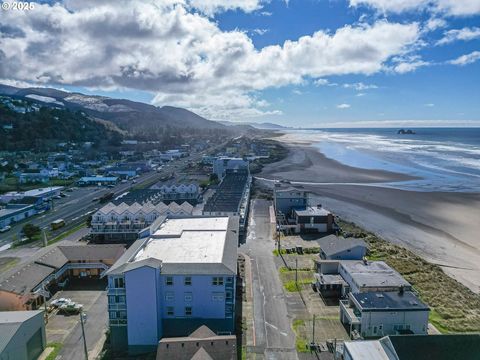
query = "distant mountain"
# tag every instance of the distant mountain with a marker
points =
(131, 116)
(262, 126)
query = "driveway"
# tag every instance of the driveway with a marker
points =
(67, 329)
(273, 334)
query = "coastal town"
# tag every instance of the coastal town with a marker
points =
(240, 180)
(191, 251)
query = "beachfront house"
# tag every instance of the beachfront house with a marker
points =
(376, 314)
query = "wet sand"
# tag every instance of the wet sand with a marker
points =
(442, 227)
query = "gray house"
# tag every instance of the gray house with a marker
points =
(338, 248)
(22, 335)
(376, 314)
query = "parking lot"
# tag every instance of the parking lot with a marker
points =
(66, 329)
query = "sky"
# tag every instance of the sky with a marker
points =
(302, 63)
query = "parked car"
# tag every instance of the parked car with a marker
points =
(5, 229)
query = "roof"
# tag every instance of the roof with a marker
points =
(332, 244)
(437, 347)
(10, 322)
(42, 191)
(202, 332)
(391, 300)
(98, 178)
(201, 354)
(373, 274)
(198, 245)
(381, 349)
(229, 194)
(26, 277)
(11, 211)
(312, 211)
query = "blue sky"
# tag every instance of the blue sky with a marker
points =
(310, 63)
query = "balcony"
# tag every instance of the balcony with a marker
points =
(351, 314)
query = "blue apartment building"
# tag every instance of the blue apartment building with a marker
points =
(167, 285)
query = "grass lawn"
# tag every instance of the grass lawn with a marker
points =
(300, 331)
(455, 308)
(66, 233)
(56, 349)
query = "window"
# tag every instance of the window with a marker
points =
(188, 296)
(229, 280)
(217, 281)
(216, 296)
(111, 299)
(170, 311)
(123, 314)
(169, 280)
(119, 283)
(113, 314)
(228, 295)
(187, 281)
(188, 311)
(169, 296)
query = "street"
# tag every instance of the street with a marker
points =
(272, 326)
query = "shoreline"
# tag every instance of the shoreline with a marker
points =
(441, 227)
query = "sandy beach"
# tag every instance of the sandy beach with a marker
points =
(442, 227)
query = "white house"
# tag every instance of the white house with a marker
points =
(376, 314)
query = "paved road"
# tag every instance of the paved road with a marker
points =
(272, 326)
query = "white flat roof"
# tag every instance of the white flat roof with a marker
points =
(189, 240)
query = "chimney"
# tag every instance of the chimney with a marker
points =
(319, 206)
(401, 290)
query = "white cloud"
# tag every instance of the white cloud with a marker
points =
(406, 64)
(434, 24)
(211, 7)
(466, 59)
(429, 105)
(297, 92)
(447, 7)
(360, 94)
(464, 34)
(260, 31)
(360, 86)
(181, 56)
(321, 82)
(343, 106)
(266, 13)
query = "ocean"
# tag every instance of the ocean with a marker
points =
(446, 159)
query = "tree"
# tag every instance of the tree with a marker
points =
(31, 231)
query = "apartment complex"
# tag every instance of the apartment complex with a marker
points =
(167, 285)
(120, 223)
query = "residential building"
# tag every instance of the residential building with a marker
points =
(415, 347)
(287, 198)
(97, 180)
(22, 335)
(20, 287)
(122, 223)
(312, 219)
(181, 277)
(231, 198)
(176, 192)
(33, 177)
(170, 155)
(357, 276)
(203, 343)
(334, 247)
(223, 165)
(376, 314)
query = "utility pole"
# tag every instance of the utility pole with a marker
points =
(83, 335)
(296, 272)
(313, 331)
(45, 242)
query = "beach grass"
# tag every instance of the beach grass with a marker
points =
(300, 335)
(455, 308)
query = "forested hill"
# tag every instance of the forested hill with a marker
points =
(43, 129)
